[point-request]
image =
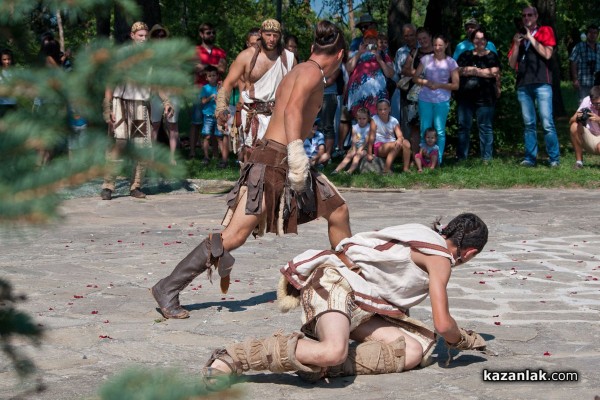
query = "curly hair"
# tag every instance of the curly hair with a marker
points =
(465, 231)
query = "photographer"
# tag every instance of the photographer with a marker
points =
(585, 62)
(368, 67)
(530, 53)
(585, 127)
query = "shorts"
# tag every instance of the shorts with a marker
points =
(329, 291)
(210, 127)
(157, 110)
(376, 147)
(590, 141)
(264, 178)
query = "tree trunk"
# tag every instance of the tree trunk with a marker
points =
(150, 12)
(102, 24)
(351, 18)
(121, 26)
(399, 13)
(61, 31)
(444, 17)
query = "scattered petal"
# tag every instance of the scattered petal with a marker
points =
(69, 304)
(547, 353)
(119, 241)
(497, 323)
(482, 282)
(495, 316)
(51, 309)
(169, 226)
(236, 280)
(77, 296)
(548, 276)
(95, 312)
(190, 234)
(104, 337)
(106, 321)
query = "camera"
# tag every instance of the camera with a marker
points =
(585, 115)
(372, 46)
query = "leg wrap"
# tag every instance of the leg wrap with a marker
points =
(276, 354)
(371, 358)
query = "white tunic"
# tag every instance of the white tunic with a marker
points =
(388, 282)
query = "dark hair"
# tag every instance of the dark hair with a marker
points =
(422, 29)
(206, 26)
(595, 92)
(329, 39)
(465, 231)
(477, 30)
(292, 37)
(210, 68)
(592, 26)
(51, 49)
(430, 129)
(7, 52)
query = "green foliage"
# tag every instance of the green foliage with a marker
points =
(148, 384)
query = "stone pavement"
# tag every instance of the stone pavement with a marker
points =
(533, 293)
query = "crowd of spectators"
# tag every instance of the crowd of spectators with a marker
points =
(378, 104)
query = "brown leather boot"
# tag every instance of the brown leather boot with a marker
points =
(166, 291)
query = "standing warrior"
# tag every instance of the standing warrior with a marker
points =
(277, 190)
(261, 68)
(126, 111)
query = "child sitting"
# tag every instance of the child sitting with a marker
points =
(428, 154)
(386, 140)
(360, 132)
(314, 146)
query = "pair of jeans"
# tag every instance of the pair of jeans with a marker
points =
(327, 115)
(528, 95)
(434, 115)
(485, 116)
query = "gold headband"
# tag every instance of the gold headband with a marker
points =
(271, 25)
(138, 26)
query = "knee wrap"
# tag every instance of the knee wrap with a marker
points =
(371, 358)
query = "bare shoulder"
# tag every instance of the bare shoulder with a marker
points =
(434, 265)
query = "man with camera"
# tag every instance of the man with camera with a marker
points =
(585, 127)
(530, 53)
(585, 62)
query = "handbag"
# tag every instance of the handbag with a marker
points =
(404, 83)
(413, 93)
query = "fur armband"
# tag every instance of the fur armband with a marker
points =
(298, 165)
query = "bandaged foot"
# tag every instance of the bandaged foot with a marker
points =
(276, 354)
(298, 165)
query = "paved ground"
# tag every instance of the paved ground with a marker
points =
(533, 293)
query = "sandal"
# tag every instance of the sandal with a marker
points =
(214, 379)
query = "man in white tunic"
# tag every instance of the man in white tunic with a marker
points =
(261, 68)
(127, 113)
(363, 291)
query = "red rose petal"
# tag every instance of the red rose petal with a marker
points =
(95, 312)
(169, 226)
(190, 234)
(497, 323)
(236, 280)
(495, 316)
(104, 337)
(547, 353)
(89, 286)
(77, 296)
(119, 241)
(548, 276)
(482, 282)
(106, 321)
(51, 309)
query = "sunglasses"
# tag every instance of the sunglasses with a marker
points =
(527, 15)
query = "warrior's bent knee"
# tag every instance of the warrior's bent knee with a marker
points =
(333, 355)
